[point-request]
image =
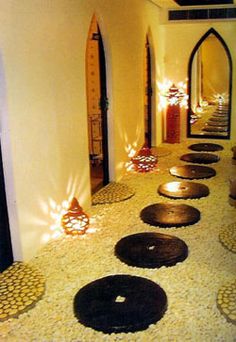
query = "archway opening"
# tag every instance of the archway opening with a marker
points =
(148, 95)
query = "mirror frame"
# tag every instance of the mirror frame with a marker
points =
(218, 36)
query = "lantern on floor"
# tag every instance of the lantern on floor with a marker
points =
(75, 221)
(173, 115)
(145, 161)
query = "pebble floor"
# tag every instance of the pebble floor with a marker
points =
(191, 286)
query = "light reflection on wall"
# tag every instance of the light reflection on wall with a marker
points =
(163, 90)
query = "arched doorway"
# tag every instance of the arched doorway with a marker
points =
(97, 106)
(210, 88)
(6, 254)
(148, 95)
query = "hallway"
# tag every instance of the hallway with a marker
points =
(191, 286)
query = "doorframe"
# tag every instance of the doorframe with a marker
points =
(7, 164)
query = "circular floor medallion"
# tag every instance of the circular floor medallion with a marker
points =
(120, 303)
(206, 147)
(192, 171)
(168, 215)
(227, 237)
(219, 120)
(226, 301)
(111, 193)
(21, 287)
(200, 158)
(217, 123)
(220, 115)
(215, 129)
(185, 190)
(151, 250)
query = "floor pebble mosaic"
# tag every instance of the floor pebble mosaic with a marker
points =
(192, 286)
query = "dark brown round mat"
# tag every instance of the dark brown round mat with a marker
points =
(192, 171)
(220, 115)
(206, 147)
(200, 158)
(215, 129)
(183, 190)
(151, 250)
(168, 215)
(218, 119)
(217, 123)
(120, 303)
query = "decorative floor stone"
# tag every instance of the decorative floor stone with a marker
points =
(219, 119)
(160, 151)
(113, 192)
(232, 201)
(217, 123)
(21, 287)
(120, 303)
(151, 250)
(192, 171)
(215, 129)
(200, 158)
(206, 147)
(227, 237)
(226, 301)
(185, 190)
(168, 215)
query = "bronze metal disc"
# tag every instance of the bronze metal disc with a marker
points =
(218, 119)
(200, 158)
(185, 190)
(215, 129)
(120, 303)
(217, 123)
(168, 215)
(192, 171)
(151, 250)
(206, 147)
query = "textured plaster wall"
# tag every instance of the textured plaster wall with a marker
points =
(180, 39)
(43, 103)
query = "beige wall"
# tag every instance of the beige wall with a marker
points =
(181, 38)
(44, 110)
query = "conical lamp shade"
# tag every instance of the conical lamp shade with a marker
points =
(75, 221)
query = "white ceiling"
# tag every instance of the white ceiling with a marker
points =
(173, 4)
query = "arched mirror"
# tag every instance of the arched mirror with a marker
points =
(210, 83)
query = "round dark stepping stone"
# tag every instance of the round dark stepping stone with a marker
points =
(151, 250)
(220, 115)
(183, 190)
(215, 129)
(206, 147)
(217, 123)
(120, 303)
(200, 158)
(170, 215)
(192, 171)
(218, 119)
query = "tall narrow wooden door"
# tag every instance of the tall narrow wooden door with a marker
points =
(6, 255)
(148, 96)
(97, 108)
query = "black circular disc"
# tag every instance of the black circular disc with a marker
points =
(200, 158)
(215, 129)
(120, 303)
(217, 123)
(168, 215)
(206, 147)
(218, 119)
(183, 190)
(220, 115)
(192, 171)
(151, 250)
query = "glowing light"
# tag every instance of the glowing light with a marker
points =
(170, 94)
(144, 161)
(75, 221)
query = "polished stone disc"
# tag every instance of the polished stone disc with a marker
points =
(168, 215)
(183, 190)
(218, 119)
(206, 147)
(120, 303)
(217, 123)
(200, 158)
(215, 129)
(151, 250)
(192, 171)
(220, 115)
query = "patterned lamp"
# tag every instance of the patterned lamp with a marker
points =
(145, 161)
(75, 221)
